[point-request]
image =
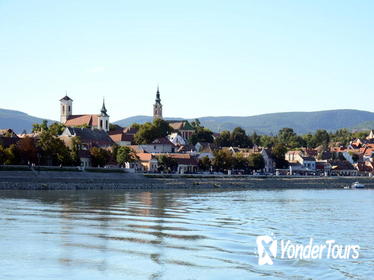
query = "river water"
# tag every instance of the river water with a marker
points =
(180, 234)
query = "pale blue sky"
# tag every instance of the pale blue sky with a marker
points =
(210, 57)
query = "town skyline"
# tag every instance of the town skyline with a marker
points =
(210, 59)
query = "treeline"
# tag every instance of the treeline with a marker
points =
(49, 149)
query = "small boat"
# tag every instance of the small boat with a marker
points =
(357, 185)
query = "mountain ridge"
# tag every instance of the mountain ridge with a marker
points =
(302, 122)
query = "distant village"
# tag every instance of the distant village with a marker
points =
(90, 141)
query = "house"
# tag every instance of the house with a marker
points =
(269, 162)
(371, 135)
(186, 163)
(342, 168)
(204, 149)
(148, 162)
(99, 121)
(8, 137)
(89, 137)
(309, 163)
(160, 145)
(121, 137)
(364, 168)
(183, 127)
(177, 139)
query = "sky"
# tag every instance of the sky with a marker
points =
(209, 57)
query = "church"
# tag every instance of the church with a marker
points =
(101, 121)
(183, 127)
(97, 121)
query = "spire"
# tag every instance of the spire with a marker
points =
(103, 109)
(158, 99)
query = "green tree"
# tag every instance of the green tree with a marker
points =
(149, 132)
(240, 139)
(11, 155)
(201, 134)
(239, 162)
(53, 150)
(2, 155)
(321, 138)
(125, 154)
(223, 160)
(255, 138)
(278, 154)
(99, 157)
(36, 127)
(289, 138)
(224, 139)
(205, 163)
(267, 141)
(256, 161)
(76, 148)
(166, 164)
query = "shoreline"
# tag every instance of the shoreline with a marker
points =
(52, 180)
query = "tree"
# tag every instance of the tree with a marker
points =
(255, 138)
(278, 154)
(76, 147)
(53, 150)
(205, 163)
(11, 155)
(224, 139)
(222, 160)
(124, 154)
(267, 141)
(256, 161)
(40, 127)
(2, 155)
(56, 128)
(239, 162)
(99, 157)
(240, 139)
(27, 150)
(149, 132)
(201, 134)
(321, 138)
(166, 163)
(289, 138)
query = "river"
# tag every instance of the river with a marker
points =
(185, 234)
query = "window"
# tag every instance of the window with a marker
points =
(69, 109)
(101, 124)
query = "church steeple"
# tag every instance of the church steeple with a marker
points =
(157, 107)
(103, 110)
(158, 99)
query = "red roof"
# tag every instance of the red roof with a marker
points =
(80, 120)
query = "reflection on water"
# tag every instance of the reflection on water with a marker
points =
(179, 234)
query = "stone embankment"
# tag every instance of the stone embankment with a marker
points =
(54, 180)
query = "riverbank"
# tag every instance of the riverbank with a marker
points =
(54, 180)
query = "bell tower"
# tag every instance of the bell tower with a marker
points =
(103, 119)
(66, 108)
(157, 107)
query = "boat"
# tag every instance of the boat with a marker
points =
(357, 185)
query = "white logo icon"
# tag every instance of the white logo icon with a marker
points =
(267, 249)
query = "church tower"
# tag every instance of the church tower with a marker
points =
(157, 107)
(103, 119)
(66, 108)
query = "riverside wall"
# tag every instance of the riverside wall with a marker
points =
(51, 180)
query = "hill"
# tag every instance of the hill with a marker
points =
(301, 122)
(16, 120)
